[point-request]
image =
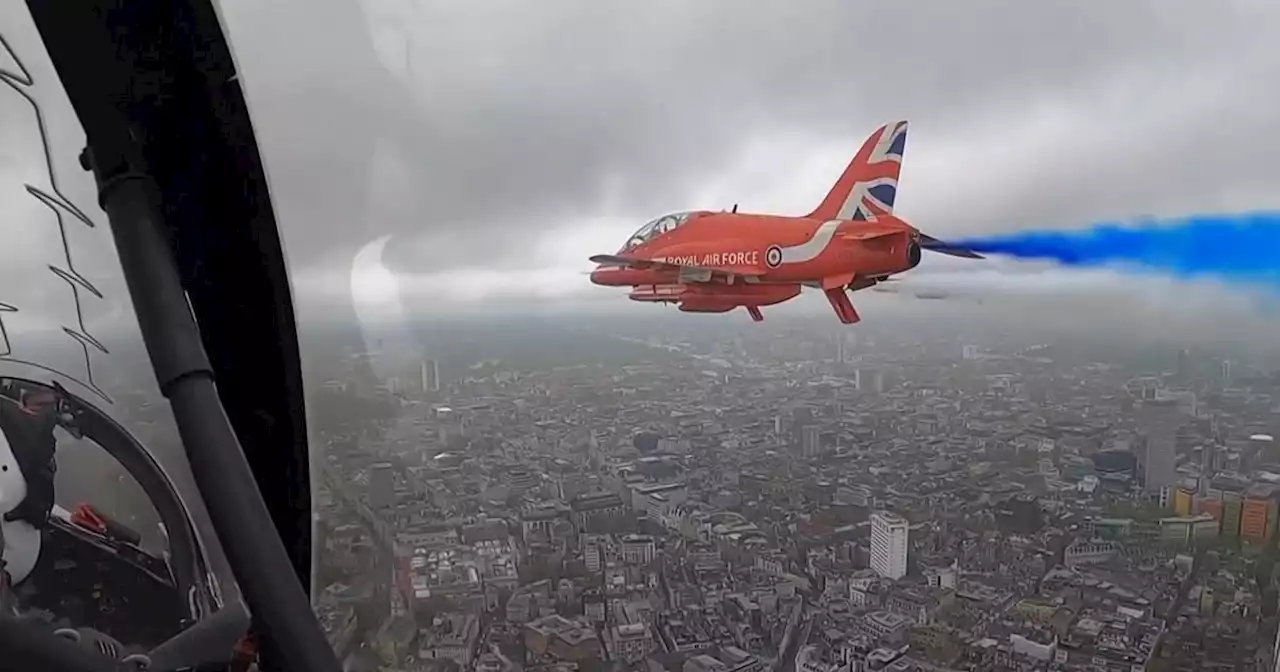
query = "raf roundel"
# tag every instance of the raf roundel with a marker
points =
(773, 256)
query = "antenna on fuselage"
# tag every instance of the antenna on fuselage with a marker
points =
(735, 208)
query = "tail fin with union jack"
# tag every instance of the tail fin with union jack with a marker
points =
(869, 185)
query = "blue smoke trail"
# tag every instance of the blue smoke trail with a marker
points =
(1238, 249)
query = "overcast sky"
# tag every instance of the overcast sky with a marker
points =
(515, 141)
(500, 143)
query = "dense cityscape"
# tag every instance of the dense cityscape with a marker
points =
(796, 498)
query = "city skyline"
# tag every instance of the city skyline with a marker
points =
(966, 450)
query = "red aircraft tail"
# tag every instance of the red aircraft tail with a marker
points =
(869, 185)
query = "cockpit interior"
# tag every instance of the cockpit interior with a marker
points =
(82, 568)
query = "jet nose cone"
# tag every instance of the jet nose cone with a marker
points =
(600, 276)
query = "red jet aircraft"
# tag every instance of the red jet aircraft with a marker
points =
(713, 262)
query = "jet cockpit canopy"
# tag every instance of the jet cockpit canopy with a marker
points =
(656, 228)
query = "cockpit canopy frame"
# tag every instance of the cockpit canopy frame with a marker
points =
(657, 227)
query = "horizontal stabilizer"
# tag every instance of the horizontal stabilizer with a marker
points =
(934, 245)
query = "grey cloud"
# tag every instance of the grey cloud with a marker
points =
(522, 117)
(522, 113)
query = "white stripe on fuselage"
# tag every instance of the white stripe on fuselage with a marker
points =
(810, 249)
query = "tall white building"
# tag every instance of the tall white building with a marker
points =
(430, 373)
(889, 544)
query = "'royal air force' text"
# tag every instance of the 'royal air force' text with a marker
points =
(716, 259)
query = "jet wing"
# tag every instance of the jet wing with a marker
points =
(652, 264)
(624, 262)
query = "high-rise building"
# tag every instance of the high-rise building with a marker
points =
(810, 440)
(889, 544)
(430, 372)
(801, 417)
(381, 485)
(1208, 453)
(846, 343)
(1158, 420)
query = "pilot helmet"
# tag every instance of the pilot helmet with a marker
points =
(27, 467)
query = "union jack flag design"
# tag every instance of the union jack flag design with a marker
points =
(868, 186)
(875, 171)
